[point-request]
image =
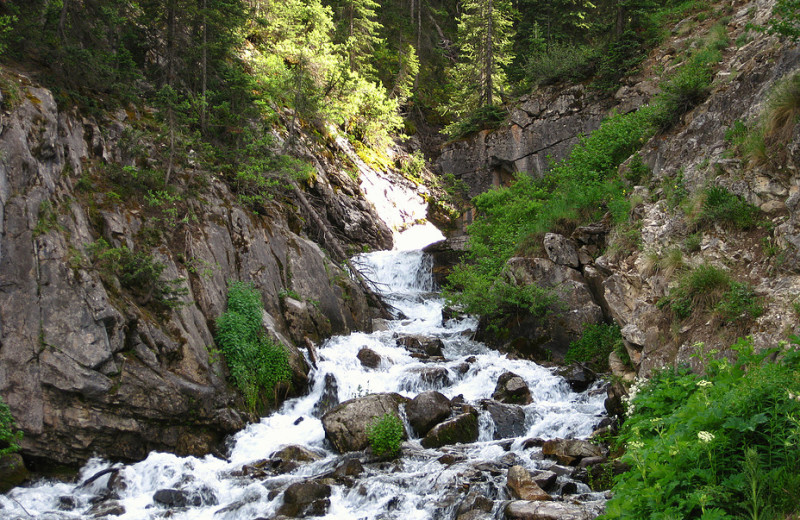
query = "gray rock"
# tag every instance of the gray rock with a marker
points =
(427, 410)
(521, 485)
(346, 425)
(509, 419)
(527, 510)
(578, 376)
(570, 451)
(512, 389)
(12, 471)
(460, 429)
(306, 498)
(561, 250)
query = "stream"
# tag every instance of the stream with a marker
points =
(420, 484)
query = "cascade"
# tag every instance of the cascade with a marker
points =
(421, 484)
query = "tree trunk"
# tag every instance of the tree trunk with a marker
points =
(489, 54)
(204, 67)
(62, 21)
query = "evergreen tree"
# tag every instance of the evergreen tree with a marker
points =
(484, 41)
(358, 32)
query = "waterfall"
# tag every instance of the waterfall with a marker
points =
(419, 485)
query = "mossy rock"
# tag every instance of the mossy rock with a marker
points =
(12, 471)
(460, 429)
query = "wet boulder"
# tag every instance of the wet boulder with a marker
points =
(532, 510)
(545, 479)
(521, 485)
(475, 502)
(427, 377)
(176, 498)
(422, 346)
(291, 457)
(329, 398)
(427, 410)
(578, 376)
(570, 451)
(369, 358)
(306, 498)
(460, 429)
(512, 389)
(346, 424)
(12, 471)
(509, 419)
(614, 402)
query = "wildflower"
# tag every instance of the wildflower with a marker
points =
(704, 384)
(635, 445)
(705, 436)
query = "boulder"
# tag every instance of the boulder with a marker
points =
(512, 389)
(475, 501)
(561, 250)
(426, 378)
(528, 510)
(579, 377)
(570, 451)
(369, 358)
(12, 471)
(290, 457)
(346, 424)
(521, 485)
(445, 254)
(106, 509)
(422, 345)
(460, 429)
(509, 419)
(306, 498)
(614, 402)
(545, 479)
(329, 398)
(427, 410)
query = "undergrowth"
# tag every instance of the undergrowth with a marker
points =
(257, 364)
(594, 346)
(720, 446)
(9, 435)
(385, 435)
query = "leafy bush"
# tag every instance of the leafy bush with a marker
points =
(139, 273)
(594, 346)
(484, 118)
(9, 435)
(722, 206)
(385, 435)
(256, 363)
(722, 446)
(561, 62)
(785, 19)
(709, 288)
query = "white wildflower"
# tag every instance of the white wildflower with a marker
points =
(705, 436)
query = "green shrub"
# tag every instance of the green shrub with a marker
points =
(484, 118)
(709, 288)
(9, 435)
(721, 446)
(722, 206)
(139, 273)
(595, 345)
(385, 435)
(256, 363)
(637, 170)
(561, 62)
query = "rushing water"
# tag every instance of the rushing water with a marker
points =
(416, 486)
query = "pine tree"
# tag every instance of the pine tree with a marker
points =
(484, 41)
(358, 32)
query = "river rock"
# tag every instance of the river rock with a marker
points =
(512, 389)
(509, 419)
(12, 471)
(521, 485)
(460, 429)
(570, 451)
(545, 479)
(578, 376)
(306, 498)
(475, 501)
(614, 402)
(289, 458)
(475, 515)
(369, 358)
(427, 377)
(527, 510)
(330, 396)
(427, 410)
(422, 345)
(106, 509)
(346, 424)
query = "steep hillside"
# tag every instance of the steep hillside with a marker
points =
(693, 200)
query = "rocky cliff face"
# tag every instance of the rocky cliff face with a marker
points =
(86, 365)
(628, 283)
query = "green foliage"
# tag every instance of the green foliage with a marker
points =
(483, 118)
(385, 435)
(637, 170)
(723, 207)
(595, 345)
(9, 435)
(785, 19)
(561, 62)
(722, 446)
(256, 363)
(139, 273)
(709, 288)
